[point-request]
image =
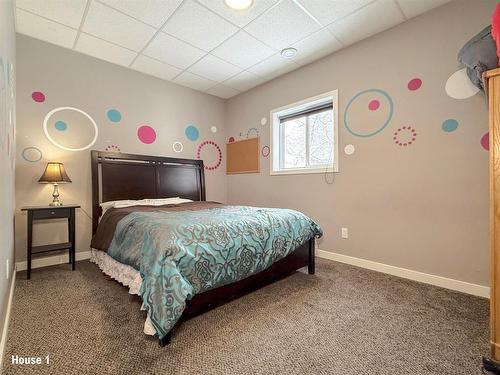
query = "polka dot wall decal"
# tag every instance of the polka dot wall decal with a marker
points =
(192, 133)
(60, 125)
(263, 121)
(38, 96)
(255, 132)
(349, 149)
(459, 86)
(213, 129)
(405, 136)
(32, 154)
(231, 139)
(351, 126)
(114, 115)
(373, 105)
(485, 141)
(178, 146)
(265, 151)
(146, 134)
(414, 84)
(112, 148)
(218, 150)
(449, 125)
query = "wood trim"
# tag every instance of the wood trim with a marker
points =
(491, 73)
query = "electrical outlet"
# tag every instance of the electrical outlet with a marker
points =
(345, 233)
(7, 269)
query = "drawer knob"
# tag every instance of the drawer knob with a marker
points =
(52, 212)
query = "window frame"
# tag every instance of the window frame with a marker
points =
(277, 139)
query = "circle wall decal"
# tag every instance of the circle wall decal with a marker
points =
(114, 115)
(112, 148)
(55, 143)
(459, 86)
(38, 96)
(485, 141)
(32, 154)
(231, 139)
(254, 130)
(374, 105)
(405, 136)
(178, 146)
(265, 151)
(213, 129)
(146, 134)
(385, 122)
(449, 125)
(414, 84)
(349, 149)
(192, 133)
(60, 125)
(263, 121)
(218, 150)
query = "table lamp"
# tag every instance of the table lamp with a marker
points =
(54, 174)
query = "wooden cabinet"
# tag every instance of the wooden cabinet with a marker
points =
(492, 78)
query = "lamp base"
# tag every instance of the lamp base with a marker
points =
(55, 195)
(55, 204)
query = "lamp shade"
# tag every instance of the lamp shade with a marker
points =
(54, 174)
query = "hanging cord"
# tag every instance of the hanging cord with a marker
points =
(86, 213)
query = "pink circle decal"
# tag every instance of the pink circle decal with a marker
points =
(414, 84)
(485, 141)
(219, 154)
(146, 134)
(231, 139)
(373, 105)
(38, 96)
(265, 151)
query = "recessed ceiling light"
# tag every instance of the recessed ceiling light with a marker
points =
(238, 4)
(289, 52)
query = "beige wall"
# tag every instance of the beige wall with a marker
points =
(423, 207)
(7, 149)
(71, 79)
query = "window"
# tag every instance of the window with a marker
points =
(304, 136)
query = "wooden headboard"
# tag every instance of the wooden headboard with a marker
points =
(117, 176)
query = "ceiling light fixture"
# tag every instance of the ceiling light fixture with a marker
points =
(238, 4)
(289, 52)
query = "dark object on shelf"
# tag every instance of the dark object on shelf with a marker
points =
(479, 55)
(47, 213)
(491, 365)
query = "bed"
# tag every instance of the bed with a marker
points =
(235, 249)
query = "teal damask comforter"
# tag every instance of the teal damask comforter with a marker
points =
(180, 254)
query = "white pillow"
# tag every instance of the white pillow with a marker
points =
(142, 202)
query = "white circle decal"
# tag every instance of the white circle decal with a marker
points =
(459, 86)
(263, 121)
(52, 140)
(178, 146)
(349, 149)
(213, 129)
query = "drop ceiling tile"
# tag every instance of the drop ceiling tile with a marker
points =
(101, 49)
(198, 26)
(243, 81)
(173, 51)
(193, 81)
(315, 46)
(213, 68)
(152, 12)
(370, 20)
(273, 67)
(243, 50)
(412, 8)
(155, 68)
(282, 25)
(113, 26)
(327, 11)
(43, 29)
(68, 13)
(223, 91)
(239, 18)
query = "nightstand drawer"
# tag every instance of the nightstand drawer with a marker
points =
(51, 213)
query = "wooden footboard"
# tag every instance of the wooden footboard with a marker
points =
(203, 302)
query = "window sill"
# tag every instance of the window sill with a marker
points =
(304, 171)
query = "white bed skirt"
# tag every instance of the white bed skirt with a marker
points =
(125, 275)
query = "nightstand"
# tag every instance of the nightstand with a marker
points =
(48, 213)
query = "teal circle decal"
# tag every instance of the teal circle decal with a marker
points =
(60, 125)
(114, 115)
(32, 154)
(386, 122)
(192, 133)
(449, 125)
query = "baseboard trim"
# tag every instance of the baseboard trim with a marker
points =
(51, 260)
(443, 282)
(5, 330)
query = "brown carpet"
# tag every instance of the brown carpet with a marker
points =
(343, 320)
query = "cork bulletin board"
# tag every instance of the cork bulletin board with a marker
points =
(243, 156)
